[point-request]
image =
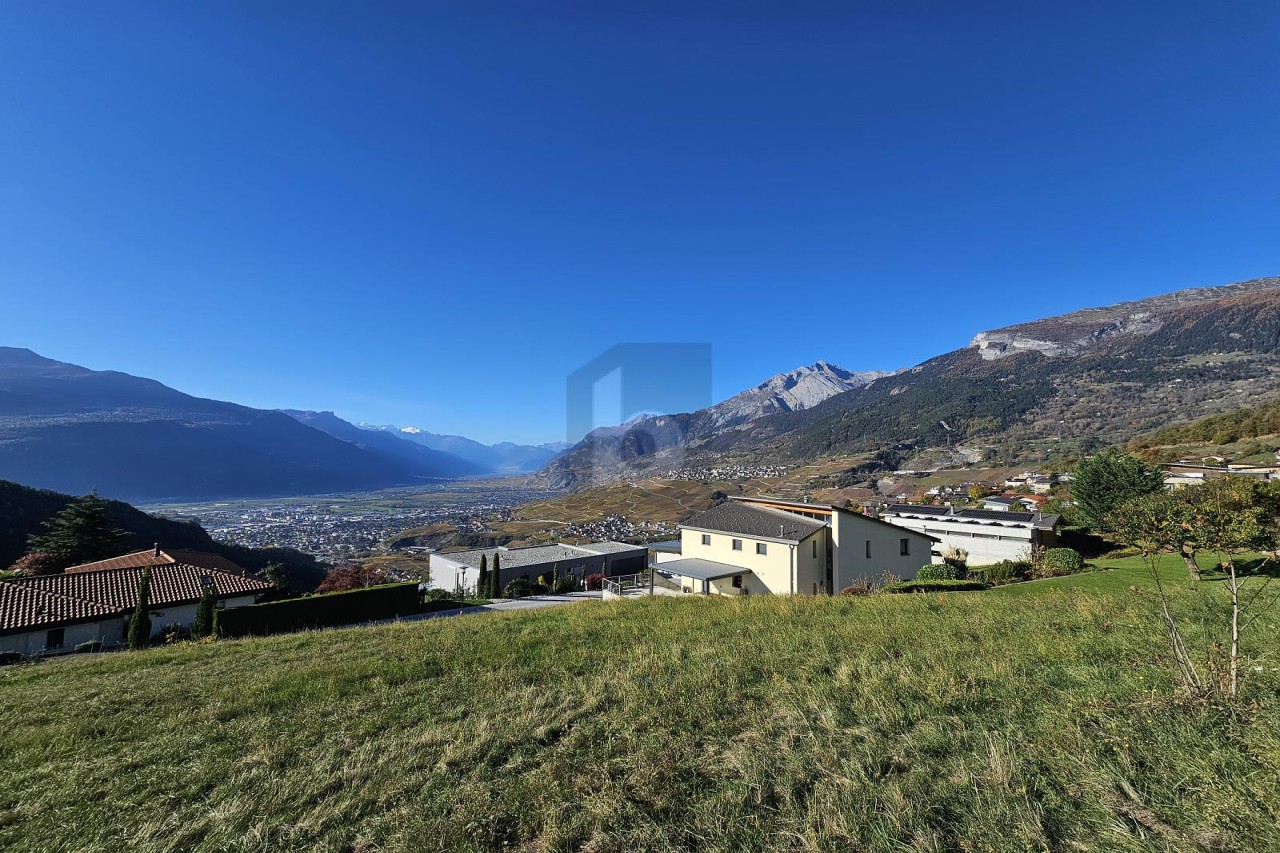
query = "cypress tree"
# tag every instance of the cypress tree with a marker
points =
(482, 585)
(494, 589)
(140, 623)
(203, 624)
(81, 533)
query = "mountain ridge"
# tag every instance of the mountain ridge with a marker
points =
(72, 429)
(1058, 386)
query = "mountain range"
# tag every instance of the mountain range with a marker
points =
(1050, 388)
(72, 429)
(1047, 389)
(503, 458)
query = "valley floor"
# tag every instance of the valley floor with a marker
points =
(1043, 720)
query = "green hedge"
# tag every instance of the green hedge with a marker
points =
(1061, 561)
(935, 586)
(319, 611)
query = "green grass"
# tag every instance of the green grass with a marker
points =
(961, 721)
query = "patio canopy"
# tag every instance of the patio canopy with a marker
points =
(703, 570)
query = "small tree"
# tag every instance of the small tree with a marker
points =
(482, 584)
(494, 591)
(1228, 516)
(275, 575)
(1106, 480)
(202, 626)
(140, 622)
(81, 533)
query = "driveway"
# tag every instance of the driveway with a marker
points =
(503, 605)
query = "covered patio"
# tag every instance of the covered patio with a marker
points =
(699, 576)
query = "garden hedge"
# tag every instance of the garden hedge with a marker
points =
(319, 611)
(935, 586)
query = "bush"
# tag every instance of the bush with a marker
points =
(938, 572)
(7, 658)
(857, 588)
(1005, 571)
(595, 581)
(517, 588)
(319, 611)
(565, 584)
(1060, 561)
(1126, 551)
(538, 589)
(935, 586)
(86, 647)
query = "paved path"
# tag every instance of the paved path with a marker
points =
(531, 603)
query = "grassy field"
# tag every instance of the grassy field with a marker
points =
(1037, 719)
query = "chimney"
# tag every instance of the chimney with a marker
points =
(157, 554)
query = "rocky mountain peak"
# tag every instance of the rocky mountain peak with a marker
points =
(1069, 335)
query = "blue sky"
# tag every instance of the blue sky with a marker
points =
(431, 213)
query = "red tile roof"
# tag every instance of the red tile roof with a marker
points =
(150, 557)
(84, 596)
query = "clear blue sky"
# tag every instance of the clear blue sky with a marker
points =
(429, 213)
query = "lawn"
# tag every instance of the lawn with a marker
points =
(1041, 720)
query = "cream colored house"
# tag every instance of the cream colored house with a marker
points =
(751, 546)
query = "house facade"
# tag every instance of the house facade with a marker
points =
(988, 536)
(52, 614)
(753, 546)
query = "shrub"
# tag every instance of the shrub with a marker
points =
(1060, 561)
(539, 589)
(7, 658)
(857, 588)
(595, 581)
(343, 578)
(1126, 551)
(39, 563)
(88, 646)
(938, 572)
(516, 588)
(1005, 571)
(565, 584)
(935, 586)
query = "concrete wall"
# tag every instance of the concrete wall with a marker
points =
(850, 534)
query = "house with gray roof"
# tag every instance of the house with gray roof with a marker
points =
(761, 545)
(611, 559)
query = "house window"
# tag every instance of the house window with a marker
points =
(706, 539)
(54, 639)
(868, 549)
(737, 581)
(815, 548)
(904, 547)
(737, 544)
(761, 548)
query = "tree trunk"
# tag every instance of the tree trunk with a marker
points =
(1189, 556)
(1235, 629)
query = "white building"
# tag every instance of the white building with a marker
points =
(989, 536)
(462, 568)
